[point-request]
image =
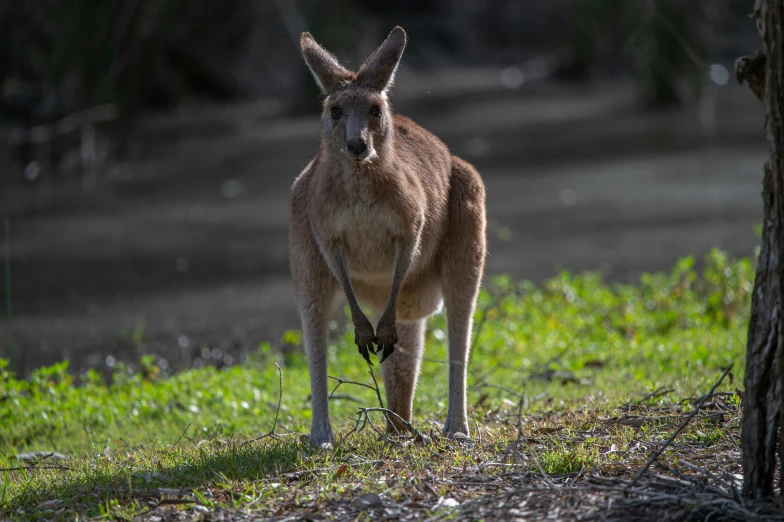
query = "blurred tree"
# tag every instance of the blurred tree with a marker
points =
(70, 54)
(59, 57)
(763, 400)
(666, 42)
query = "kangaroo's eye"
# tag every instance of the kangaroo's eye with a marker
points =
(336, 113)
(376, 111)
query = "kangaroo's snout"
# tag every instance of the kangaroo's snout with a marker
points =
(356, 146)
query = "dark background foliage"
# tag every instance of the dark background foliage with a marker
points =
(147, 147)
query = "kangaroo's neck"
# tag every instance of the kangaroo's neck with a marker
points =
(363, 181)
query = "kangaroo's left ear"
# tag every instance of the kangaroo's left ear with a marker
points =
(378, 72)
(329, 74)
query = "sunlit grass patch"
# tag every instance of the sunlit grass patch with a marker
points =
(585, 375)
(565, 460)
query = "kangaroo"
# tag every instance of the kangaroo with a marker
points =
(386, 214)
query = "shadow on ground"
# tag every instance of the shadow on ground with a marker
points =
(163, 478)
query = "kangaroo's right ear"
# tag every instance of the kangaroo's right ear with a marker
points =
(379, 70)
(328, 73)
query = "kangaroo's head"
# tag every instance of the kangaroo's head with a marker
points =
(357, 118)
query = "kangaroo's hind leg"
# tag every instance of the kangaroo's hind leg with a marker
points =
(315, 289)
(462, 257)
(401, 370)
(314, 309)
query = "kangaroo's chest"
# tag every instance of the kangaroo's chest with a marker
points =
(367, 233)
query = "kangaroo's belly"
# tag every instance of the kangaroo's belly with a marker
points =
(421, 295)
(368, 235)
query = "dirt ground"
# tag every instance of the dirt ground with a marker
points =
(185, 244)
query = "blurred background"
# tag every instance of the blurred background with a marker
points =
(147, 148)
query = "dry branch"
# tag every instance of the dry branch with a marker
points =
(363, 417)
(545, 476)
(33, 468)
(751, 69)
(345, 381)
(680, 428)
(271, 433)
(45, 133)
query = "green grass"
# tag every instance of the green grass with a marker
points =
(573, 352)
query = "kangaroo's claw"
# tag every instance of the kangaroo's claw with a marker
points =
(387, 351)
(363, 351)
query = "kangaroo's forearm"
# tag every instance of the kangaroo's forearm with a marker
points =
(341, 274)
(332, 251)
(404, 258)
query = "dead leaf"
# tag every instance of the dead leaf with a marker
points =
(420, 438)
(548, 430)
(172, 492)
(634, 422)
(368, 500)
(341, 471)
(51, 503)
(39, 455)
(446, 503)
(593, 363)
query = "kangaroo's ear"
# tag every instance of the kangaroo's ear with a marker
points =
(329, 74)
(378, 72)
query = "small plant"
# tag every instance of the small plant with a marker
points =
(588, 374)
(562, 461)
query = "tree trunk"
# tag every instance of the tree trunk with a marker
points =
(763, 408)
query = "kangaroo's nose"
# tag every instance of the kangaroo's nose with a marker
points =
(356, 146)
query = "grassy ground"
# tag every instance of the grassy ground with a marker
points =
(572, 382)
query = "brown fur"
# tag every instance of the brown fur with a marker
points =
(399, 227)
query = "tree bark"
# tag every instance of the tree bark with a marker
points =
(763, 408)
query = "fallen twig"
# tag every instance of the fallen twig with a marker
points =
(363, 417)
(28, 468)
(375, 383)
(71, 123)
(173, 501)
(658, 392)
(344, 381)
(375, 387)
(182, 435)
(344, 396)
(411, 429)
(545, 476)
(519, 438)
(271, 433)
(680, 428)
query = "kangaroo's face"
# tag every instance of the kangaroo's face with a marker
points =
(357, 117)
(355, 122)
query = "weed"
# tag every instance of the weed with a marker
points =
(584, 367)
